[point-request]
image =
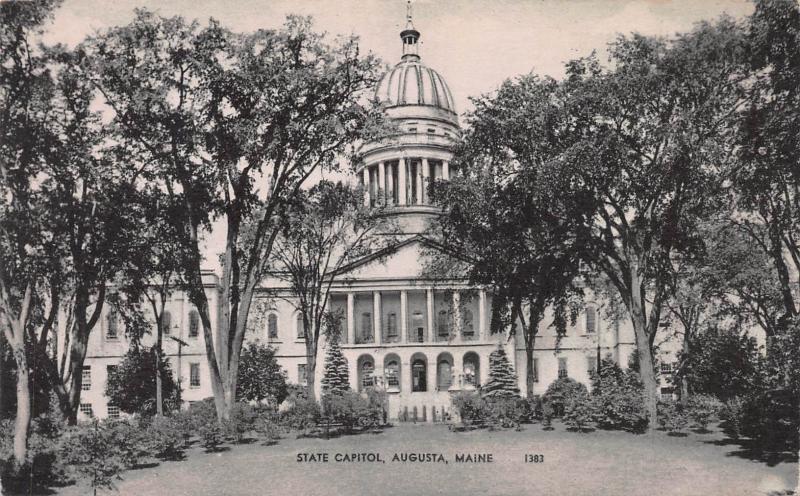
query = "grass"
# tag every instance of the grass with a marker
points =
(595, 463)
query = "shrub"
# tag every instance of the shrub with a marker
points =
(770, 418)
(131, 440)
(44, 465)
(92, 455)
(268, 428)
(301, 414)
(547, 415)
(470, 407)
(671, 417)
(212, 436)
(618, 397)
(561, 392)
(731, 413)
(505, 412)
(165, 438)
(243, 419)
(579, 412)
(702, 407)
(354, 410)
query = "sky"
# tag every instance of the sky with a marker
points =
(474, 44)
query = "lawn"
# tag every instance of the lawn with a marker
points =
(596, 463)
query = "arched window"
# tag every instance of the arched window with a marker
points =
(392, 373)
(419, 373)
(472, 369)
(367, 374)
(442, 329)
(301, 328)
(194, 324)
(467, 326)
(591, 319)
(166, 322)
(444, 373)
(272, 326)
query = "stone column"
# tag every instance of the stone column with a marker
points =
(418, 179)
(366, 186)
(391, 185)
(425, 180)
(351, 319)
(446, 170)
(381, 183)
(403, 316)
(482, 332)
(429, 312)
(457, 313)
(376, 317)
(401, 181)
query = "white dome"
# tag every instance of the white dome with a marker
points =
(412, 83)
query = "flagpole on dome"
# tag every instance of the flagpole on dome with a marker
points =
(410, 37)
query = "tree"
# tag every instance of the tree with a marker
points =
(132, 385)
(260, 376)
(325, 228)
(766, 177)
(502, 380)
(655, 133)
(336, 377)
(507, 216)
(230, 126)
(27, 96)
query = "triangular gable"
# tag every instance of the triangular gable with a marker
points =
(403, 260)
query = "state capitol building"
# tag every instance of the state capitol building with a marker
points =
(420, 338)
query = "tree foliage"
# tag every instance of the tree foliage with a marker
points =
(325, 228)
(132, 384)
(336, 376)
(502, 380)
(230, 126)
(261, 378)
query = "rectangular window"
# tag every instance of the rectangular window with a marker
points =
(591, 365)
(535, 370)
(666, 393)
(194, 324)
(562, 368)
(194, 375)
(391, 325)
(113, 412)
(111, 325)
(86, 378)
(86, 409)
(591, 320)
(301, 374)
(666, 368)
(366, 327)
(166, 322)
(110, 370)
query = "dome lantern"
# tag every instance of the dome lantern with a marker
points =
(410, 37)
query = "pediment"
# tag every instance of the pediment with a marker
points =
(407, 259)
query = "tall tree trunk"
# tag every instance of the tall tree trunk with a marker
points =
(636, 307)
(684, 378)
(311, 372)
(159, 345)
(530, 377)
(22, 423)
